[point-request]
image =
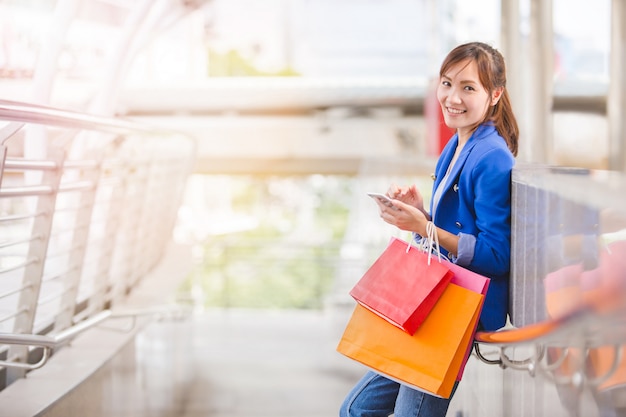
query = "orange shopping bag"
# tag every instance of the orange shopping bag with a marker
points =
(428, 360)
(472, 281)
(402, 285)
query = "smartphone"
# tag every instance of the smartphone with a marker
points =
(383, 199)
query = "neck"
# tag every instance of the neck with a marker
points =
(459, 148)
(466, 134)
(464, 137)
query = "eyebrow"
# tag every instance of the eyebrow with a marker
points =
(462, 81)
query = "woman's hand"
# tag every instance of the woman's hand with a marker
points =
(407, 217)
(404, 216)
(408, 195)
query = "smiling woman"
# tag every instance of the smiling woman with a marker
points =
(470, 208)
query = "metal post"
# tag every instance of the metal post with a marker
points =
(121, 256)
(80, 239)
(115, 211)
(514, 53)
(42, 226)
(541, 69)
(616, 99)
(3, 157)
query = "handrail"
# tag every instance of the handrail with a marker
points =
(578, 332)
(608, 307)
(49, 343)
(32, 190)
(46, 165)
(532, 332)
(33, 113)
(22, 164)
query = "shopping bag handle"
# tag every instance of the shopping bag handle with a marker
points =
(428, 244)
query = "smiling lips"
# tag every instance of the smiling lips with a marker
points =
(455, 111)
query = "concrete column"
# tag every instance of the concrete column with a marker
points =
(616, 99)
(513, 50)
(541, 68)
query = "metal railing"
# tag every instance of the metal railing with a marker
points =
(568, 280)
(87, 207)
(48, 343)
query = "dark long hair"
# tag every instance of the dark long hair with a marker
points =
(492, 75)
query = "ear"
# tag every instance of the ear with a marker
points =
(495, 96)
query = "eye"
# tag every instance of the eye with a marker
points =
(446, 83)
(469, 88)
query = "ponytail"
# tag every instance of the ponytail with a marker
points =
(504, 120)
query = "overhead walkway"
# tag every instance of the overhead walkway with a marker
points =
(330, 126)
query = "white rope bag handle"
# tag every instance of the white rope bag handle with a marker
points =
(428, 244)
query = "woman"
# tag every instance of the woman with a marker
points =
(470, 207)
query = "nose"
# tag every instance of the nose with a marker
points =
(453, 96)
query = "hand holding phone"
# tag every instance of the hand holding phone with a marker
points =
(383, 199)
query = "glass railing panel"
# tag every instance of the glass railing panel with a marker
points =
(569, 225)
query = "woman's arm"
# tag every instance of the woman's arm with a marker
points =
(491, 207)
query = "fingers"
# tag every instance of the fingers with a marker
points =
(393, 191)
(402, 192)
(414, 191)
(388, 217)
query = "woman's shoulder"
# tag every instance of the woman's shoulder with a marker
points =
(490, 154)
(490, 141)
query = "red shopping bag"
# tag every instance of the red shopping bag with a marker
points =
(428, 360)
(402, 285)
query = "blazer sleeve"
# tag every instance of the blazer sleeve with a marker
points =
(491, 177)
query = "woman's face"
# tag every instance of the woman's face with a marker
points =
(464, 101)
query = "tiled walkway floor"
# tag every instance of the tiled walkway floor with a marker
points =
(241, 364)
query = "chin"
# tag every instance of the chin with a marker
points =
(452, 124)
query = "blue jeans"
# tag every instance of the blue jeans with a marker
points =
(377, 396)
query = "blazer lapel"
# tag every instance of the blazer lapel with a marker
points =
(460, 162)
(483, 130)
(445, 159)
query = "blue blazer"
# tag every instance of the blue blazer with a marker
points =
(477, 201)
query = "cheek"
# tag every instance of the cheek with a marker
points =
(487, 107)
(440, 96)
(481, 105)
